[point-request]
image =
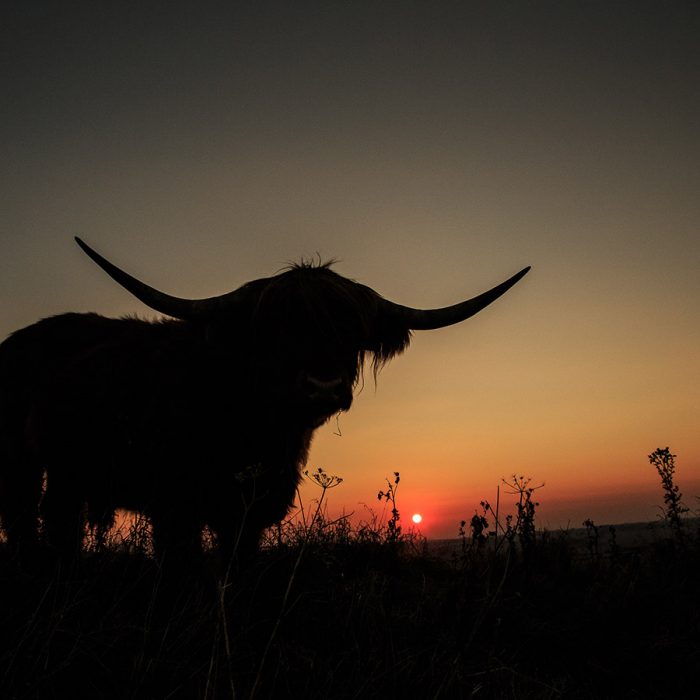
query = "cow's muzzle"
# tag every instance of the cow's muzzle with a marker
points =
(327, 396)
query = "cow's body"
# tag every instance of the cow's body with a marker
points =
(123, 413)
(205, 420)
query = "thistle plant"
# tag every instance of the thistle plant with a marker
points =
(479, 525)
(389, 496)
(478, 531)
(665, 464)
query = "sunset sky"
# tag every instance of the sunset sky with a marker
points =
(434, 149)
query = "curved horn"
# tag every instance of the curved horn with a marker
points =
(186, 309)
(430, 319)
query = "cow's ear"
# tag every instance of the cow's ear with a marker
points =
(389, 337)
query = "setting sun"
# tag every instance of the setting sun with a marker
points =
(417, 517)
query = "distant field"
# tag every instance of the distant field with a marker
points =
(628, 536)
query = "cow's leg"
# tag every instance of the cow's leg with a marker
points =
(177, 538)
(63, 515)
(21, 480)
(177, 546)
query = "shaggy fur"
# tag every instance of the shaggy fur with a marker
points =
(189, 423)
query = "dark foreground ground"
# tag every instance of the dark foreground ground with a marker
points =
(343, 617)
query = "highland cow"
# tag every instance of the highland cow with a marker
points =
(203, 418)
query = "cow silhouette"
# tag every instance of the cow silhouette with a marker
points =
(203, 418)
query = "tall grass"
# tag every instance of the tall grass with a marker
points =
(341, 608)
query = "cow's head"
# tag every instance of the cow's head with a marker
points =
(305, 331)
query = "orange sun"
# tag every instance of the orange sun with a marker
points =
(417, 517)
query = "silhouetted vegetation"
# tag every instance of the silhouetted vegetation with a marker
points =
(332, 608)
(665, 464)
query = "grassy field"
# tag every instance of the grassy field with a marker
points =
(330, 610)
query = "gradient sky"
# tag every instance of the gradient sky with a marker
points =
(434, 148)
